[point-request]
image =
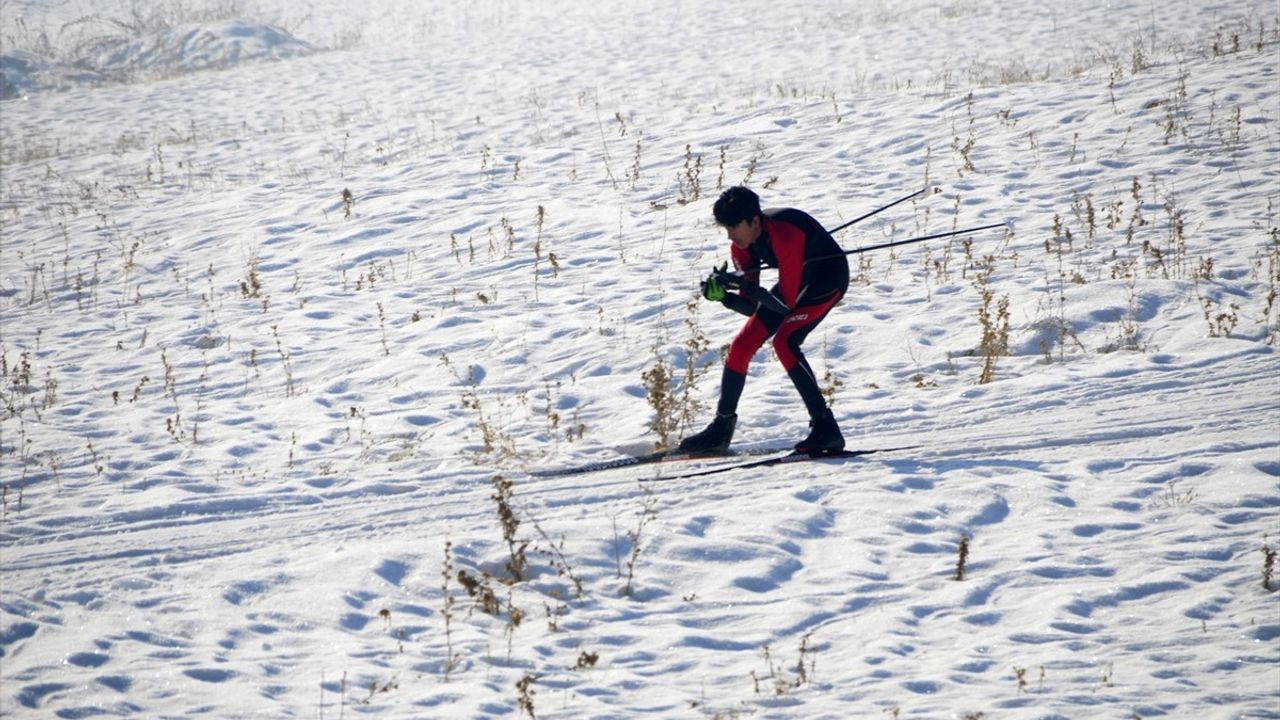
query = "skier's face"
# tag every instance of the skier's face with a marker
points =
(744, 233)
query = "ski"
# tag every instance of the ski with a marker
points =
(791, 457)
(661, 456)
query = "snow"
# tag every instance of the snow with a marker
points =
(288, 294)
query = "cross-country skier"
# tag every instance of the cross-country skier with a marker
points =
(813, 274)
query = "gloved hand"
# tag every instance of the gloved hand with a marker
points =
(727, 280)
(713, 288)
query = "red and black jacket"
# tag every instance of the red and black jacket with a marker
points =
(811, 265)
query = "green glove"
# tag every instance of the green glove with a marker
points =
(712, 289)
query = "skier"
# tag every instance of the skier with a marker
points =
(813, 274)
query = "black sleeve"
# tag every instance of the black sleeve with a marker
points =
(766, 299)
(739, 304)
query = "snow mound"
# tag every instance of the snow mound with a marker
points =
(23, 73)
(174, 51)
(193, 48)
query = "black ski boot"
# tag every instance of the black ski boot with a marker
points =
(714, 439)
(824, 435)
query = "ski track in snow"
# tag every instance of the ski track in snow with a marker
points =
(243, 416)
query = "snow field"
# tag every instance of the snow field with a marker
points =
(270, 332)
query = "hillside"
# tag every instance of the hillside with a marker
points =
(292, 303)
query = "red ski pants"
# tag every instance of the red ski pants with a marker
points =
(788, 333)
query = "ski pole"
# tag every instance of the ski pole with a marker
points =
(908, 241)
(921, 191)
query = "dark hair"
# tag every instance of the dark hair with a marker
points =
(735, 205)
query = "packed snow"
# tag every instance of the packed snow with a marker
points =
(296, 301)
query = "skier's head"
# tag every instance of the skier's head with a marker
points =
(736, 204)
(738, 212)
